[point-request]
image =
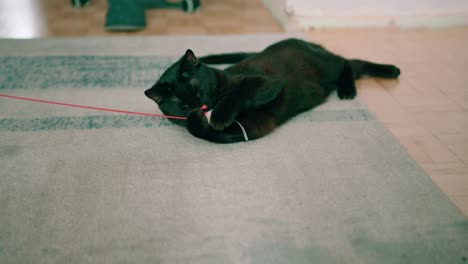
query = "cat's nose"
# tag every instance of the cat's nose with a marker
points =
(149, 93)
(153, 95)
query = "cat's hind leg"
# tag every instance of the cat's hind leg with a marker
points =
(346, 86)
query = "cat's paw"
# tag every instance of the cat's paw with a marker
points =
(221, 119)
(197, 124)
(347, 93)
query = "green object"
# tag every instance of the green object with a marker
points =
(79, 3)
(188, 6)
(159, 4)
(129, 15)
(125, 15)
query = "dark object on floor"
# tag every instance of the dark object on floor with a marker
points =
(79, 3)
(125, 15)
(188, 6)
(129, 15)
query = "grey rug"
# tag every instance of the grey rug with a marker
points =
(81, 186)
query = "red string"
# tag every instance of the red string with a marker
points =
(90, 107)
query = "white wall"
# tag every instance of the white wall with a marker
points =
(375, 7)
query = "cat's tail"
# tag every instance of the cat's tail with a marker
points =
(227, 58)
(366, 68)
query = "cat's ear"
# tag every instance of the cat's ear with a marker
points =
(190, 57)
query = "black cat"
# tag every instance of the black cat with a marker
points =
(258, 93)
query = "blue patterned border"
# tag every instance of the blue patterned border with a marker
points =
(126, 121)
(81, 71)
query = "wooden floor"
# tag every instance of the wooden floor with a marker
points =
(56, 18)
(426, 109)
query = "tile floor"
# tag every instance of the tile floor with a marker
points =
(426, 109)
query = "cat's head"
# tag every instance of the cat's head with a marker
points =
(184, 86)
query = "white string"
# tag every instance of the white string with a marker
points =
(243, 130)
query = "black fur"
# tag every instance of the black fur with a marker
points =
(228, 58)
(261, 91)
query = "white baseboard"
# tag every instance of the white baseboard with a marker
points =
(296, 23)
(406, 22)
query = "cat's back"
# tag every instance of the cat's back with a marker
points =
(288, 56)
(293, 44)
(299, 50)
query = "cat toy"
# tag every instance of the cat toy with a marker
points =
(203, 108)
(90, 107)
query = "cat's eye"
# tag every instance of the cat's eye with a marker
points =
(175, 100)
(164, 89)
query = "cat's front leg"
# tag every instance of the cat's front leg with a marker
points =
(223, 115)
(251, 92)
(197, 123)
